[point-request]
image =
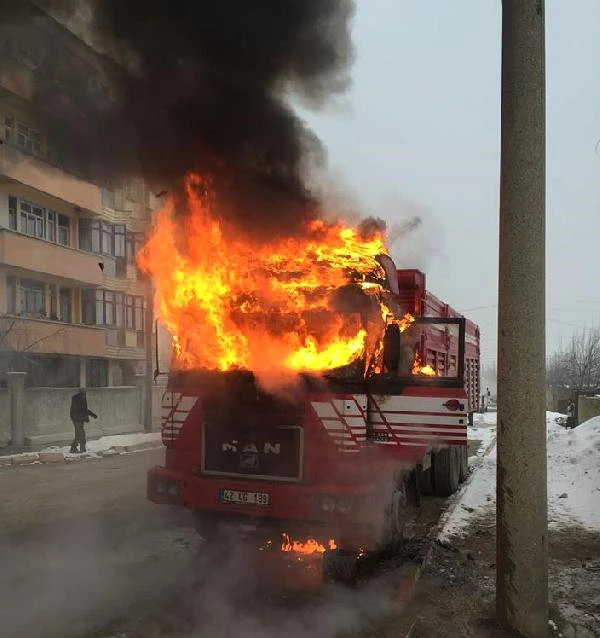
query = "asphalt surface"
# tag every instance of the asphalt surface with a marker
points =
(79, 544)
(84, 554)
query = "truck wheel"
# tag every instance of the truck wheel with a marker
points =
(464, 463)
(340, 566)
(446, 471)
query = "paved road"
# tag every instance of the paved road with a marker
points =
(79, 543)
(82, 553)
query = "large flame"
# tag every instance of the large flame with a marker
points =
(231, 303)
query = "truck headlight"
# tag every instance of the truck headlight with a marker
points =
(161, 488)
(327, 504)
(343, 506)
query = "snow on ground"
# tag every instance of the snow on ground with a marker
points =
(106, 443)
(484, 430)
(573, 477)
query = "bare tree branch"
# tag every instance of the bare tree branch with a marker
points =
(42, 339)
(577, 366)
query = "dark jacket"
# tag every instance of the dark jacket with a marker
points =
(79, 408)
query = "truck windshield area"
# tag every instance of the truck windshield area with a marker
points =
(313, 342)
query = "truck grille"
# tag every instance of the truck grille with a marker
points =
(260, 452)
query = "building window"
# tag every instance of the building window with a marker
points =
(53, 304)
(88, 307)
(135, 243)
(132, 189)
(65, 305)
(36, 221)
(129, 314)
(31, 298)
(26, 138)
(130, 248)
(105, 308)
(51, 225)
(108, 198)
(119, 241)
(11, 296)
(9, 129)
(139, 313)
(96, 373)
(109, 308)
(102, 238)
(12, 212)
(32, 220)
(119, 310)
(108, 243)
(29, 139)
(64, 230)
(116, 311)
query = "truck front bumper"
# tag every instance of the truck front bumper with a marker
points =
(350, 514)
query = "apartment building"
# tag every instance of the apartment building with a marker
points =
(72, 303)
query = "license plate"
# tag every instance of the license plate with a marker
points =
(241, 497)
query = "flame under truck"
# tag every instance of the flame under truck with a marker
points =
(348, 455)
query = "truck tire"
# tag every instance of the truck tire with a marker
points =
(395, 518)
(464, 463)
(425, 480)
(446, 471)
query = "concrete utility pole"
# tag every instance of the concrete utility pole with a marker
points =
(522, 517)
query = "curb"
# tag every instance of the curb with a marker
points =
(50, 457)
(409, 582)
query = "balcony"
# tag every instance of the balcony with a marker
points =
(35, 173)
(51, 337)
(39, 256)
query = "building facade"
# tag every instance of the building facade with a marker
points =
(72, 302)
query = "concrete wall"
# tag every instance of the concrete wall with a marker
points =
(4, 416)
(587, 408)
(557, 398)
(46, 413)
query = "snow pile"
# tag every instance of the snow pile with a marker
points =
(573, 479)
(574, 473)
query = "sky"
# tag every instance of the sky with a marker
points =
(419, 131)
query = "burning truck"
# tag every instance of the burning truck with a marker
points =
(315, 391)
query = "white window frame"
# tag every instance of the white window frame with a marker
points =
(36, 221)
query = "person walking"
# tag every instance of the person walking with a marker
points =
(80, 414)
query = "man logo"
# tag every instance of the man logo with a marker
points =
(252, 448)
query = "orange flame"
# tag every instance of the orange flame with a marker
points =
(425, 370)
(232, 303)
(310, 547)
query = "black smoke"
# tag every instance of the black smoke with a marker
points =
(208, 90)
